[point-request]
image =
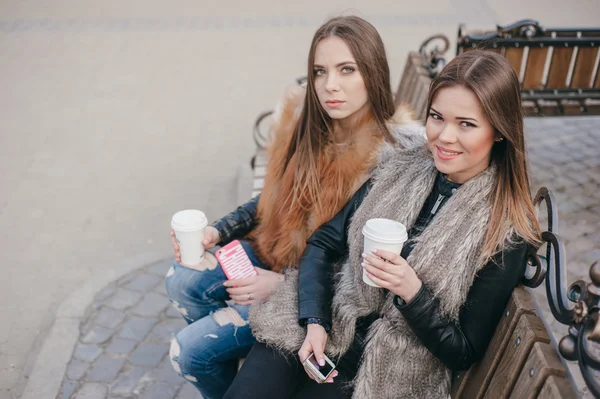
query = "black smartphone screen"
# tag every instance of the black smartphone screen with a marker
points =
(324, 370)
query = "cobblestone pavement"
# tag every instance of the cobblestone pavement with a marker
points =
(123, 345)
(122, 351)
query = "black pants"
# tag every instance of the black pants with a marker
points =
(268, 373)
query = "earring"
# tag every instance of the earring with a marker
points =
(500, 139)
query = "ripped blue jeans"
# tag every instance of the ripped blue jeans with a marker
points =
(206, 352)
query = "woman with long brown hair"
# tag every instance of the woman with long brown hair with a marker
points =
(326, 142)
(465, 200)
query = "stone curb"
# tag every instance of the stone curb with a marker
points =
(57, 349)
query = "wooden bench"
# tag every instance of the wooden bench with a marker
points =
(558, 69)
(520, 362)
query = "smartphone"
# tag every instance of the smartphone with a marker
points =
(321, 373)
(235, 261)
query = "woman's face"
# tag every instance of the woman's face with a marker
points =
(459, 135)
(339, 85)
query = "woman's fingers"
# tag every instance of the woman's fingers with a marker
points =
(386, 257)
(242, 300)
(305, 351)
(239, 291)
(380, 272)
(377, 280)
(241, 282)
(332, 376)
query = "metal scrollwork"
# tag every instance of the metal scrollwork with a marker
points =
(578, 306)
(524, 28)
(434, 55)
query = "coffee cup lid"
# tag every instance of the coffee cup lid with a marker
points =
(385, 230)
(189, 220)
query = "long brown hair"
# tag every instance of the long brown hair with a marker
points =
(314, 128)
(492, 79)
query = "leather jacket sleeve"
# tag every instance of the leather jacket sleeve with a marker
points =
(460, 345)
(239, 222)
(326, 246)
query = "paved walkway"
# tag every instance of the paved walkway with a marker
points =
(563, 154)
(123, 343)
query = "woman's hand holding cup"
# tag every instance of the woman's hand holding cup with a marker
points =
(211, 238)
(389, 270)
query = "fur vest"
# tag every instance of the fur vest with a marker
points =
(446, 257)
(285, 223)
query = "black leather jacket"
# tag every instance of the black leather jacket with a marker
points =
(458, 346)
(238, 223)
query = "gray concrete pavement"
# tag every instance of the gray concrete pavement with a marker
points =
(116, 114)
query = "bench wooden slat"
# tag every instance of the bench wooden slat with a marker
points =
(572, 107)
(542, 363)
(548, 107)
(416, 72)
(557, 388)
(403, 85)
(420, 101)
(529, 330)
(593, 106)
(584, 68)
(534, 69)
(559, 68)
(473, 383)
(514, 57)
(529, 108)
(414, 85)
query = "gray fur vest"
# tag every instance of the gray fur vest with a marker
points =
(446, 257)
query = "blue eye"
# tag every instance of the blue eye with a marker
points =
(435, 116)
(319, 72)
(348, 69)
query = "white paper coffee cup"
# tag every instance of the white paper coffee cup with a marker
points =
(189, 228)
(385, 234)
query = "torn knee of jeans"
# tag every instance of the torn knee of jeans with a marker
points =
(181, 309)
(229, 315)
(209, 262)
(174, 353)
(171, 271)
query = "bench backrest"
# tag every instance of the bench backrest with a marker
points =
(558, 68)
(520, 360)
(414, 85)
